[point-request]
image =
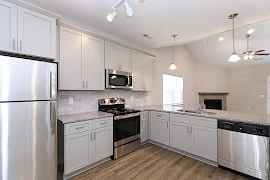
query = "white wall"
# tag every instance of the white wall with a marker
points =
(248, 89)
(186, 69)
(211, 78)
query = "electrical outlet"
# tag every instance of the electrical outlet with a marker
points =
(70, 100)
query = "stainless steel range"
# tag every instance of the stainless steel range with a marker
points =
(126, 126)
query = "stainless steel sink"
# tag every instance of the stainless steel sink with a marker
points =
(197, 112)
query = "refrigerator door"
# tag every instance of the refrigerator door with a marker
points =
(27, 80)
(28, 141)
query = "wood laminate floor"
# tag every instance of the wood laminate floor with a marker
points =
(155, 163)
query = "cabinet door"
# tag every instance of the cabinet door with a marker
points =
(160, 131)
(8, 24)
(71, 60)
(205, 142)
(137, 71)
(78, 151)
(148, 73)
(93, 58)
(124, 59)
(36, 34)
(111, 56)
(181, 137)
(144, 130)
(103, 143)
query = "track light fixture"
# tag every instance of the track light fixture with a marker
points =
(129, 11)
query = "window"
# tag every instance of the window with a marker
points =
(172, 89)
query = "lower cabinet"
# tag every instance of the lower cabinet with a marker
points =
(78, 148)
(103, 143)
(160, 131)
(180, 137)
(205, 142)
(86, 144)
(144, 131)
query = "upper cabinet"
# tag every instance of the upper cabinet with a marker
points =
(81, 61)
(143, 72)
(36, 34)
(117, 57)
(26, 32)
(8, 24)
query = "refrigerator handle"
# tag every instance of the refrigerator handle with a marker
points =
(52, 85)
(53, 115)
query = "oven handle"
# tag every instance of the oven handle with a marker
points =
(127, 116)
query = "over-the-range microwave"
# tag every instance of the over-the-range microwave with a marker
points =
(118, 79)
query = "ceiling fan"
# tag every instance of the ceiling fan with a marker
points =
(250, 54)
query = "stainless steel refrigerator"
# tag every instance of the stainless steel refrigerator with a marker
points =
(28, 147)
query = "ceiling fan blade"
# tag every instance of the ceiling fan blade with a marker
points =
(259, 51)
(262, 54)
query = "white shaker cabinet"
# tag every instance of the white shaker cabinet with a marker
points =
(71, 60)
(205, 142)
(8, 24)
(144, 126)
(181, 137)
(78, 151)
(81, 61)
(137, 71)
(117, 57)
(148, 73)
(36, 34)
(103, 143)
(93, 58)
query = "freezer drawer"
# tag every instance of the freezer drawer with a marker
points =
(28, 149)
(27, 80)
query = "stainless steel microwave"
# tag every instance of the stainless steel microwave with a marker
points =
(118, 79)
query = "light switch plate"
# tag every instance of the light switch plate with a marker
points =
(262, 96)
(70, 100)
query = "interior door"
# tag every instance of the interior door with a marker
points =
(36, 34)
(27, 80)
(93, 51)
(8, 24)
(103, 143)
(137, 71)
(28, 141)
(71, 60)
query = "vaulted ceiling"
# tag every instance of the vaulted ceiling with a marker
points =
(190, 19)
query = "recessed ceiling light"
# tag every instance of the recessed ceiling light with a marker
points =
(250, 31)
(221, 38)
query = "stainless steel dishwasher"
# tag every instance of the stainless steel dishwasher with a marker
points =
(244, 148)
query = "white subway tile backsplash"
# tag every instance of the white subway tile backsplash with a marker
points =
(86, 101)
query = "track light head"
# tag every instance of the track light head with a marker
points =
(129, 11)
(111, 16)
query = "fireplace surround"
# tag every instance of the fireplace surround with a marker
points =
(214, 100)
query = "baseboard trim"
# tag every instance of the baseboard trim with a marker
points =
(66, 177)
(212, 163)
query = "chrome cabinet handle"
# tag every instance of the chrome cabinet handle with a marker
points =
(94, 136)
(103, 123)
(91, 136)
(83, 84)
(188, 129)
(14, 44)
(21, 45)
(86, 84)
(167, 125)
(79, 128)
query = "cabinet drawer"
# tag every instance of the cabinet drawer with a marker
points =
(144, 116)
(160, 115)
(102, 122)
(205, 122)
(74, 128)
(181, 118)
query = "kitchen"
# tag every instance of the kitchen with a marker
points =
(94, 102)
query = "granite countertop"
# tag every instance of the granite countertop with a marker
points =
(254, 118)
(72, 118)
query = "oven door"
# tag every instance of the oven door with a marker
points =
(118, 79)
(126, 128)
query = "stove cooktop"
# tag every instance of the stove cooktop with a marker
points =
(120, 111)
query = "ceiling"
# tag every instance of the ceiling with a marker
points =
(218, 53)
(190, 19)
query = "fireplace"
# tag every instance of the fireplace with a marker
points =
(214, 100)
(213, 104)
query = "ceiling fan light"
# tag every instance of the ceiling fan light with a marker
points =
(129, 11)
(111, 16)
(172, 67)
(234, 58)
(247, 57)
